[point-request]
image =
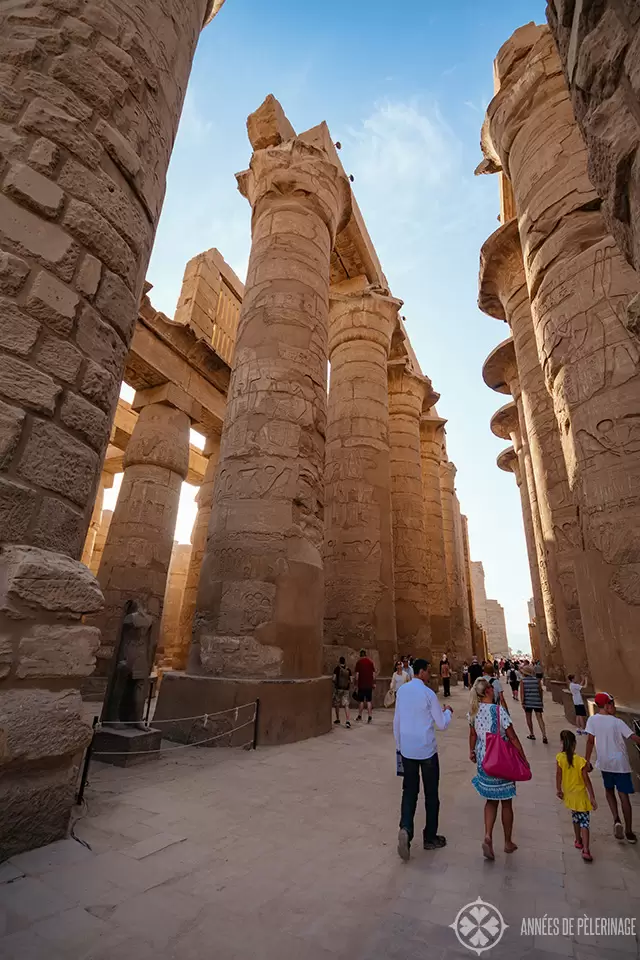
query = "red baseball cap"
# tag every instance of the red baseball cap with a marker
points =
(602, 699)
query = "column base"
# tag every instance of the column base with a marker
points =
(35, 807)
(290, 710)
(555, 688)
(126, 746)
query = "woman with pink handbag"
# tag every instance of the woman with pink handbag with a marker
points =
(494, 746)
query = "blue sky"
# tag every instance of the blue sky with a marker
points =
(404, 87)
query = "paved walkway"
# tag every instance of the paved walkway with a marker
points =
(289, 853)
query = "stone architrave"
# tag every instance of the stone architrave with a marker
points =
(579, 286)
(260, 605)
(87, 133)
(431, 442)
(137, 552)
(358, 556)
(204, 499)
(408, 394)
(504, 295)
(454, 559)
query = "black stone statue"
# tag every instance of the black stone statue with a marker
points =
(133, 661)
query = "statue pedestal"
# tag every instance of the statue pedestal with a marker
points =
(126, 746)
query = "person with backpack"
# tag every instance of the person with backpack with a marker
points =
(341, 687)
(490, 676)
(514, 681)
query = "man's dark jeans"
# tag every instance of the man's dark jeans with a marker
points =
(410, 789)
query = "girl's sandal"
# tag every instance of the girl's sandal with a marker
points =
(587, 857)
(530, 736)
(578, 845)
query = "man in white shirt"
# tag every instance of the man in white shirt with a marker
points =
(417, 714)
(608, 734)
(575, 689)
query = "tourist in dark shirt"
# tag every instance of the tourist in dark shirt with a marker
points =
(365, 682)
(475, 671)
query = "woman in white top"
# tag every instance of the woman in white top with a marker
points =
(399, 677)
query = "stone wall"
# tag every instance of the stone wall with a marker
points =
(496, 629)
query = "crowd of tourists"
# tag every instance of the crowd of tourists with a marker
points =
(499, 757)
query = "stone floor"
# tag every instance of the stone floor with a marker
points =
(288, 853)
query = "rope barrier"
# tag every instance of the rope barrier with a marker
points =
(182, 746)
(200, 716)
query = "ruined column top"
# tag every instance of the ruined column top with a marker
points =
(508, 460)
(500, 369)
(501, 269)
(504, 422)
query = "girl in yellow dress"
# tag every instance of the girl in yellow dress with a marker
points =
(575, 788)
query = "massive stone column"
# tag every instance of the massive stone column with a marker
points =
(204, 499)
(169, 643)
(408, 394)
(88, 128)
(431, 441)
(454, 560)
(358, 557)
(504, 295)
(598, 42)
(106, 481)
(259, 613)
(137, 552)
(101, 539)
(579, 285)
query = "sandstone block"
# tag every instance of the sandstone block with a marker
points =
(45, 580)
(98, 189)
(49, 650)
(103, 22)
(54, 460)
(35, 807)
(116, 303)
(17, 504)
(31, 188)
(25, 384)
(88, 276)
(84, 222)
(13, 273)
(89, 76)
(42, 85)
(6, 656)
(59, 527)
(58, 125)
(100, 386)
(44, 155)
(119, 149)
(59, 357)
(100, 342)
(10, 142)
(48, 38)
(268, 125)
(76, 29)
(11, 420)
(86, 419)
(34, 235)
(36, 724)
(21, 52)
(52, 302)
(11, 102)
(18, 332)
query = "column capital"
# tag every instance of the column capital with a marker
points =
(500, 369)
(361, 311)
(410, 393)
(448, 472)
(501, 270)
(508, 461)
(297, 174)
(506, 425)
(432, 430)
(160, 438)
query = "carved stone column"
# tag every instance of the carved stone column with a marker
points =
(137, 553)
(464, 645)
(514, 367)
(360, 606)
(431, 441)
(260, 606)
(458, 599)
(579, 286)
(106, 481)
(88, 130)
(204, 499)
(407, 395)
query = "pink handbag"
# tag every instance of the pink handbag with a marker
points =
(502, 760)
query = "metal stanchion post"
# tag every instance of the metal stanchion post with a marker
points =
(85, 768)
(256, 718)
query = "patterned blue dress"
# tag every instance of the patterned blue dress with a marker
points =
(486, 721)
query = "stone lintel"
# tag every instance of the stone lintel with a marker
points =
(153, 361)
(504, 422)
(173, 396)
(507, 460)
(500, 369)
(501, 270)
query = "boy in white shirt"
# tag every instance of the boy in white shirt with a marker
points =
(575, 689)
(608, 734)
